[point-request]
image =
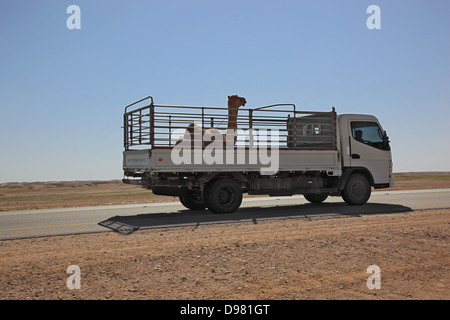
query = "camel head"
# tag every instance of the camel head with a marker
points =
(235, 101)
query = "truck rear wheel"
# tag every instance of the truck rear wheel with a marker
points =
(223, 196)
(357, 190)
(316, 197)
(192, 200)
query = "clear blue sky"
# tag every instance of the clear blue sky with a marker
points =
(62, 92)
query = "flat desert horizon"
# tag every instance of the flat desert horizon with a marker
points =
(68, 194)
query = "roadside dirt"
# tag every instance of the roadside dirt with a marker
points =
(297, 258)
(318, 258)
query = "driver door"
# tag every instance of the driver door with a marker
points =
(368, 149)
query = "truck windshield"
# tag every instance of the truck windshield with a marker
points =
(370, 134)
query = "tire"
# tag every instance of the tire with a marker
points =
(316, 197)
(357, 190)
(192, 200)
(223, 196)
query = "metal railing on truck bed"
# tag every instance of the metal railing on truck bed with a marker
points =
(156, 126)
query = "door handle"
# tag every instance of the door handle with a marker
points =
(356, 156)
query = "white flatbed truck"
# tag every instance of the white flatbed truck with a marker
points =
(316, 154)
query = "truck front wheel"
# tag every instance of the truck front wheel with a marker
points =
(357, 190)
(223, 196)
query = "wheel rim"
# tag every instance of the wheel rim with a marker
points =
(358, 189)
(226, 196)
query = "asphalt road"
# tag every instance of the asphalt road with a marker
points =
(127, 219)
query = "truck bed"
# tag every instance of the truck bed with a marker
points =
(160, 160)
(306, 140)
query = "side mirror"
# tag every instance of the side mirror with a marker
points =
(386, 141)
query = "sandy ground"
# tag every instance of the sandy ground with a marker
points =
(287, 259)
(318, 258)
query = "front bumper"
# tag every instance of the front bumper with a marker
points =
(391, 182)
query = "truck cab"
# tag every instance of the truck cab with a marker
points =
(365, 147)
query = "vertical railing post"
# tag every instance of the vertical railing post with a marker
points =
(250, 127)
(295, 129)
(152, 126)
(203, 117)
(334, 127)
(170, 130)
(125, 132)
(140, 126)
(131, 124)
